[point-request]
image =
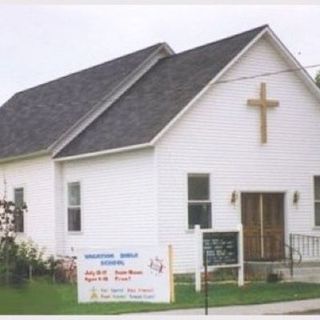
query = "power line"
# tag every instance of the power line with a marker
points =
(267, 74)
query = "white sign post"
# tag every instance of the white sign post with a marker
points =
(199, 234)
(240, 256)
(128, 274)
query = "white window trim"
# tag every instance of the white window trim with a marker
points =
(73, 232)
(315, 226)
(195, 174)
(21, 186)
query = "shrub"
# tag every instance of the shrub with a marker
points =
(18, 259)
(66, 270)
(29, 254)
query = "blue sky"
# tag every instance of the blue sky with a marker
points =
(40, 43)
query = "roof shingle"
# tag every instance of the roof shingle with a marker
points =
(152, 102)
(35, 118)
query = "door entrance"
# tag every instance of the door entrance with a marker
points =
(263, 226)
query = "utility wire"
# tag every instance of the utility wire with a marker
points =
(267, 74)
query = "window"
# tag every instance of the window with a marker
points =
(317, 200)
(19, 203)
(199, 205)
(74, 207)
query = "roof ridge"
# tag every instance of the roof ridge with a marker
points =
(220, 40)
(88, 68)
(95, 110)
(64, 120)
(87, 140)
(134, 52)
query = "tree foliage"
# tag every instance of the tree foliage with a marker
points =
(19, 259)
(8, 248)
(8, 214)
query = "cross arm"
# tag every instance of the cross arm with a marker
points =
(272, 103)
(254, 102)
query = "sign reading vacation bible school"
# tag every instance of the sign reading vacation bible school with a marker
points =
(139, 274)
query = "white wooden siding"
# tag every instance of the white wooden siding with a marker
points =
(117, 200)
(36, 176)
(220, 135)
(60, 233)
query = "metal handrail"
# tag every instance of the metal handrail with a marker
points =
(293, 250)
(291, 261)
(308, 245)
(288, 260)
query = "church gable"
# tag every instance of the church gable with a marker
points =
(254, 101)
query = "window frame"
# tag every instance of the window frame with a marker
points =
(315, 201)
(207, 201)
(68, 206)
(24, 201)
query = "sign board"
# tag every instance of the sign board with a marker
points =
(127, 274)
(221, 248)
(224, 249)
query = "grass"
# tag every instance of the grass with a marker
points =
(41, 297)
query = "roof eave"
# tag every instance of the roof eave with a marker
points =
(109, 99)
(26, 156)
(104, 152)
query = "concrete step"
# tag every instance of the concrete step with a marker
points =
(305, 279)
(299, 270)
(306, 271)
(301, 274)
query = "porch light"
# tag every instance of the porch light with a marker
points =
(296, 197)
(234, 197)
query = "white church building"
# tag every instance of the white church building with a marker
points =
(138, 150)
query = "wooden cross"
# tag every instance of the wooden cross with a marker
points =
(263, 103)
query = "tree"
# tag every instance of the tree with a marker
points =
(317, 79)
(19, 260)
(7, 226)
(8, 212)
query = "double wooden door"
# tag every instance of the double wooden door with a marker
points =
(263, 226)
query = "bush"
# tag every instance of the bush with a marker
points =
(28, 254)
(19, 259)
(65, 270)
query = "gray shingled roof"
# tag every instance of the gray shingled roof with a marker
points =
(147, 107)
(34, 119)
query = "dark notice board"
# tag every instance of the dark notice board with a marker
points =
(221, 247)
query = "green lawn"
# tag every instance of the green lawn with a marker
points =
(41, 297)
